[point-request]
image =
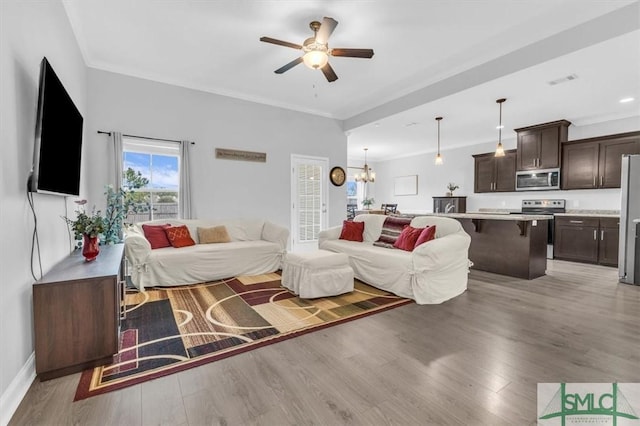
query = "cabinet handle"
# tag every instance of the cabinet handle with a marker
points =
(594, 181)
(576, 221)
(602, 235)
(601, 180)
(595, 234)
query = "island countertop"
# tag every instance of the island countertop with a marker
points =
(495, 216)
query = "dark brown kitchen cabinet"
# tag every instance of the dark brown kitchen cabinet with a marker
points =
(495, 174)
(539, 145)
(609, 241)
(586, 239)
(596, 162)
(450, 204)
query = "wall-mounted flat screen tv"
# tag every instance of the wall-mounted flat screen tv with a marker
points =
(58, 140)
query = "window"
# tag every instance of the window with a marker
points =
(355, 190)
(151, 177)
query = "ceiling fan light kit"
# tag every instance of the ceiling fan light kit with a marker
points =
(316, 57)
(316, 50)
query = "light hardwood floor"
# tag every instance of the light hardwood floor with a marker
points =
(474, 360)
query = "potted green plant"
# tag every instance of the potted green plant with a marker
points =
(118, 206)
(367, 203)
(451, 187)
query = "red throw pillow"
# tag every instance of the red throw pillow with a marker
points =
(408, 237)
(156, 235)
(428, 234)
(352, 231)
(179, 236)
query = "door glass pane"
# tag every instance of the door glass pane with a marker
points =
(309, 201)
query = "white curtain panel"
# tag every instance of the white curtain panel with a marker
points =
(116, 139)
(185, 181)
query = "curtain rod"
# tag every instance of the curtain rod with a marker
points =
(101, 132)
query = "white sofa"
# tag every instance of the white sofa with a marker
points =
(432, 273)
(256, 247)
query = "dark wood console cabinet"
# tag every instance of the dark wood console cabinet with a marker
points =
(495, 174)
(76, 308)
(539, 145)
(587, 239)
(596, 162)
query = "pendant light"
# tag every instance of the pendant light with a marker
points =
(500, 148)
(438, 157)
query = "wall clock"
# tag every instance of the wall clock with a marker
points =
(338, 176)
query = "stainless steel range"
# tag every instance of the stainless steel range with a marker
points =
(544, 207)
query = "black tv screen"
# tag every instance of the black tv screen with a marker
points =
(58, 140)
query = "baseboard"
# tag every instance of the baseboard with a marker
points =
(17, 389)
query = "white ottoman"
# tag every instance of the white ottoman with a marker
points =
(318, 273)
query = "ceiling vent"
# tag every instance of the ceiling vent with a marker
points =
(562, 79)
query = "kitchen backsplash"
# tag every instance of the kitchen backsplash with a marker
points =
(603, 212)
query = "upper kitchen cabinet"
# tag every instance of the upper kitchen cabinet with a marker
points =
(495, 174)
(539, 145)
(596, 162)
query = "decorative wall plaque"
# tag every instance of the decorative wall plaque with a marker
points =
(234, 154)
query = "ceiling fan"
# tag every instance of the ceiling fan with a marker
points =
(316, 49)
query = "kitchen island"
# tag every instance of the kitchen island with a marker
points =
(507, 244)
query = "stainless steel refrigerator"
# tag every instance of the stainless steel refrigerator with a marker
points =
(629, 252)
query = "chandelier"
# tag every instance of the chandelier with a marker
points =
(367, 174)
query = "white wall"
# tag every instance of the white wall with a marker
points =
(458, 167)
(221, 188)
(28, 31)
(31, 30)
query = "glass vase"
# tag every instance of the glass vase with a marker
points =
(90, 247)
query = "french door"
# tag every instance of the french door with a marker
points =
(309, 178)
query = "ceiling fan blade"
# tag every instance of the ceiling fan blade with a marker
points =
(352, 53)
(329, 73)
(326, 28)
(288, 66)
(280, 42)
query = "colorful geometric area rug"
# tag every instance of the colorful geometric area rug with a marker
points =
(167, 330)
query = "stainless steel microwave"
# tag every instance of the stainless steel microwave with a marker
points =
(538, 180)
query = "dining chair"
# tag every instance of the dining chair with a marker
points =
(351, 211)
(389, 208)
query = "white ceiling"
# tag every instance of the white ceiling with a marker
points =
(450, 58)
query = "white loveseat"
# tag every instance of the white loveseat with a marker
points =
(432, 273)
(256, 247)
